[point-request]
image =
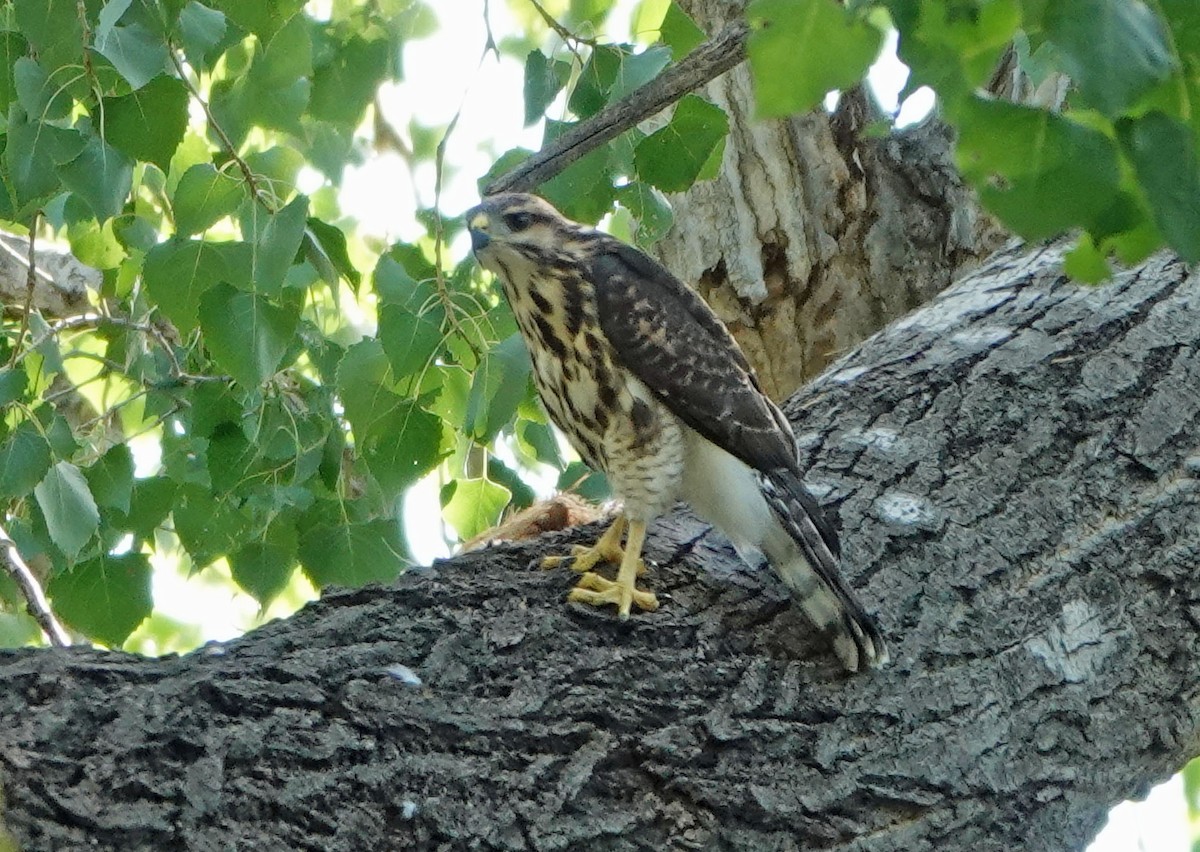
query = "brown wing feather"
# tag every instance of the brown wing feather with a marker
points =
(666, 335)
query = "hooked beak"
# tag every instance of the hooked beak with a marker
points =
(477, 224)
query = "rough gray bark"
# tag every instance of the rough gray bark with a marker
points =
(816, 234)
(1014, 469)
(61, 285)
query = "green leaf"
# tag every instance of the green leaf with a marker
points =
(331, 242)
(263, 568)
(278, 244)
(264, 18)
(19, 630)
(100, 175)
(638, 69)
(398, 439)
(580, 479)
(288, 56)
(104, 598)
(277, 168)
(402, 277)
(111, 479)
(583, 190)
(13, 48)
(538, 441)
(177, 272)
(53, 28)
(1040, 172)
(148, 124)
(246, 101)
(345, 82)
(544, 79)
(203, 197)
(497, 389)
(671, 158)
(31, 153)
(596, 79)
(475, 506)
(209, 526)
(1113, 50)
(679, 32)
(137, 52)
(1086, 263)
(522, 495)
(410, 339)
(149, 506)
(653, 212)
(246, 334)
(68, 507)
(1163, 152)
(353, 554)
(201, 31)
(24, 460)
(953, 47)
(801, 49)
(12, 386)
(1191, 789)
(92, 243)
(39, 95)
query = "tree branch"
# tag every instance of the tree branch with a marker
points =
(711, 59)
(31, 590)
(1015, 472)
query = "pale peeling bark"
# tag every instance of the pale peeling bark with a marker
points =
(1015, 472)
(61, 282)
(815, 235)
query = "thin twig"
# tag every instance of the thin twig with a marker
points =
(490, 45)
(565, 34)
(226, 142)
(35, 598)
(706, 62)
(30, 285)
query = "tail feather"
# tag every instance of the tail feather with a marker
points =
(805, 555)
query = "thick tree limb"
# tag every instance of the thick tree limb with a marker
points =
(1015, 472)
(711, 59)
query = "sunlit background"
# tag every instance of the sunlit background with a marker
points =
(457, 78)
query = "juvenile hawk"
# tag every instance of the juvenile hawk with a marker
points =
(650, 388)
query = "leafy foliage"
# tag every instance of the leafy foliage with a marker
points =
(164, 141)
(1118, 162)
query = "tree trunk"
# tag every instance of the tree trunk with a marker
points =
(815, 234)
(1014, 470)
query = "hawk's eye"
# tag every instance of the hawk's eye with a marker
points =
(518, 221)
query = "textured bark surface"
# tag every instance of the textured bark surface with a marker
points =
(61, 285)
(816, 235)
(1014, 469)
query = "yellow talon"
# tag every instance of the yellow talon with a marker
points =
(595, 590)
(606, 549)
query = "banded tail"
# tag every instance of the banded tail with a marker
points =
(804, 551)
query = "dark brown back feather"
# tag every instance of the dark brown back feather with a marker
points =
(693, 366)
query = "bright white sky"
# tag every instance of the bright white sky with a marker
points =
(382, 195)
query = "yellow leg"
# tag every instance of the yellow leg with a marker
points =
(597, 591)
(606, 549)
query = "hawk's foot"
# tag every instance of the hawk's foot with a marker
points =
(594, 590)
(606, 549)
(597, 591)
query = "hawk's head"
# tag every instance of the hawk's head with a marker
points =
(514, 231)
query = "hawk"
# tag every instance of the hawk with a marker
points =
(650, 388)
